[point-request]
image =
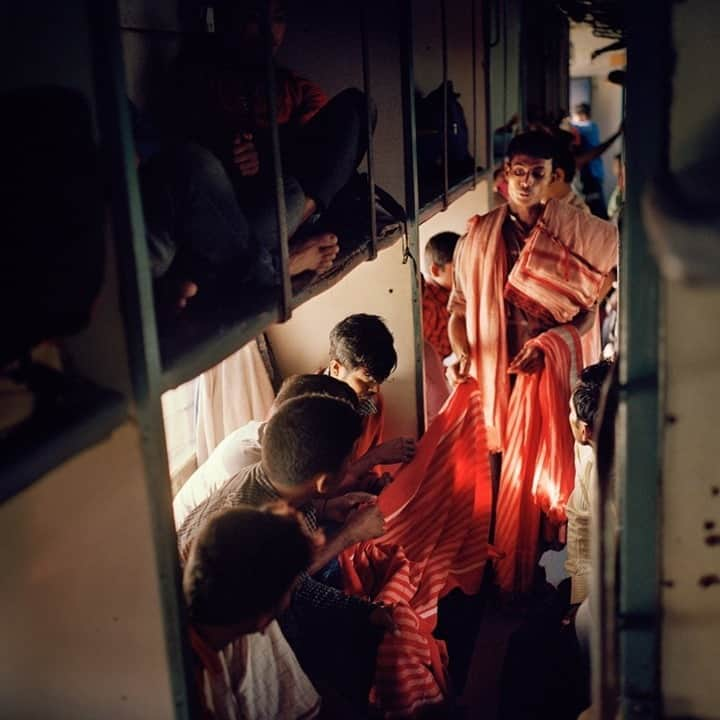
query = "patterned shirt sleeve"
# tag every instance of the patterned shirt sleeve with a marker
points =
(316, 596)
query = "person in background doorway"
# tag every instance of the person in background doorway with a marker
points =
(592, 174)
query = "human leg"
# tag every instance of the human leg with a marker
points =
(193, 221)
(325, 152)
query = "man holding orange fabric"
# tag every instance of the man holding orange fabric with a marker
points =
(528, 277)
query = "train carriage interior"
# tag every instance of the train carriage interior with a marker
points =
(362, 360)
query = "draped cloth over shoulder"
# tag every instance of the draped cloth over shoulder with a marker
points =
(437, 517)
(538, 469)
(558, 275)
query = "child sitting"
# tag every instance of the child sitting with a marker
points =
(238, 577)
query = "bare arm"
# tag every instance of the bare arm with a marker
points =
(457, 332)
(584, 158)
(363, 521)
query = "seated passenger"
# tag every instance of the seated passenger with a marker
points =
(198, 235)
(362, 354)
(305, 450)
(436, 287)
(242, 447)
(238, 578)
(220, 102)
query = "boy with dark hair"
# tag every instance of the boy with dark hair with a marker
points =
(436, 286)
(584, 405)
(362, 354)
(238, 577)
(242, 447)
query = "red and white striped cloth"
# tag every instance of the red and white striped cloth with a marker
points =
(538, 468)
(437, 514)
(564, 263)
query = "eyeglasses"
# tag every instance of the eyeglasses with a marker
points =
(521, 172)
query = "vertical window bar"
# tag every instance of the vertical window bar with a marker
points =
(367, 85)
(473, 29)
(411, 239)
(443, 26)
(286, 287)
(143, 354)
(487, 86)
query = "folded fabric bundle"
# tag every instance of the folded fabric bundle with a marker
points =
(558, 277)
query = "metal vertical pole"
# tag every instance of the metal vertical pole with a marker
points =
(367, 85)
(281, 212)
(443, 28)
(647, 138)
(473, 45)
(136, 298)
(412, 242)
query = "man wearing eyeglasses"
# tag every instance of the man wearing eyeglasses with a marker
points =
(528, 277)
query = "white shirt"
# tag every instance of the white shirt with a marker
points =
(578, 510)
(237, 451)
(260, 679)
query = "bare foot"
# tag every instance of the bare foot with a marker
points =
(187, 290)
(316, 253)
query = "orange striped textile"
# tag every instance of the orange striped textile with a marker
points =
(577, 245)
(563, 264)
(437, 514)
(538, 467)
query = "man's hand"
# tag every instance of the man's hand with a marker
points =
(365, 523)
(457, 373)
(382, 617)
(398, 450)
(529, 360)
(371, 482)
(340, 507)
(245, 156)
